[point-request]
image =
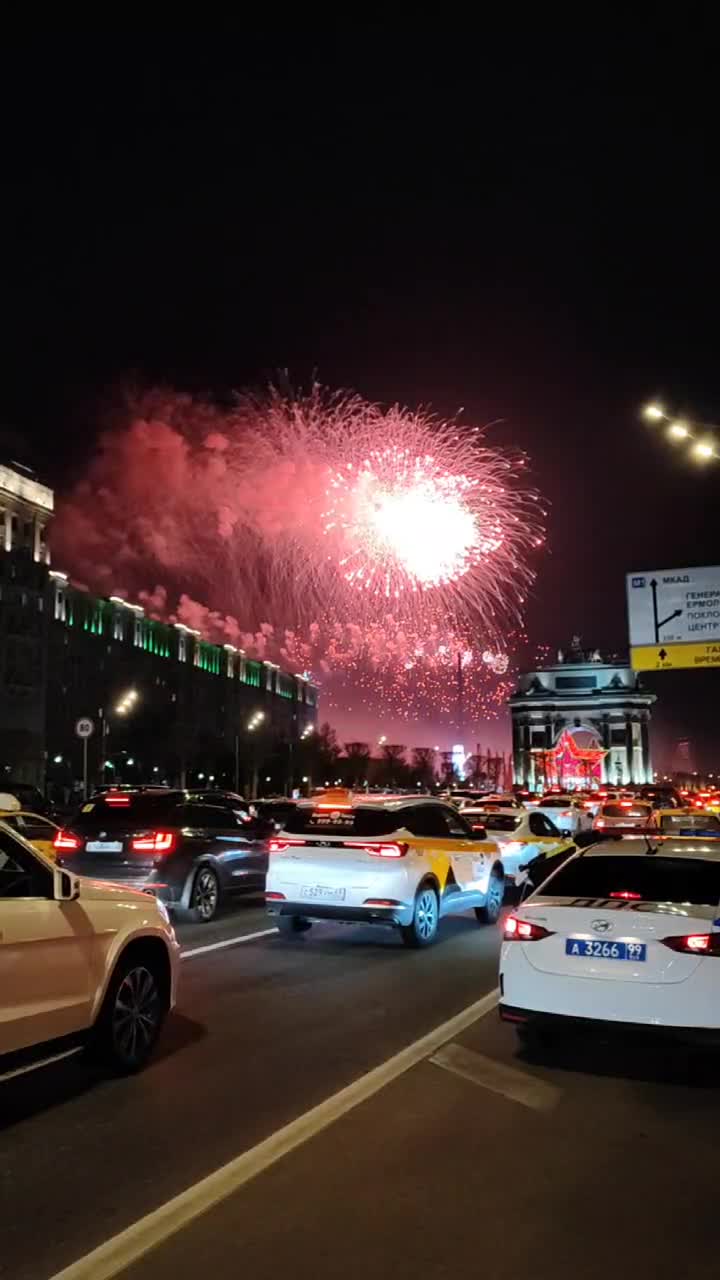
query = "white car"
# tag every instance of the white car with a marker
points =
(521, 834)
(568, 814)
(404, 862)
(82, 964)
(622, 813)
(625, 933)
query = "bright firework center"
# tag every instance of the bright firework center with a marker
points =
(580, 722)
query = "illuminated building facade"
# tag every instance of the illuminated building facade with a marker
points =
(581, 721)
(66, 654)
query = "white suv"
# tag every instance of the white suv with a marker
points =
(82, 964)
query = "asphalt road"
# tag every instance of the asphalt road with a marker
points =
(263, 1031)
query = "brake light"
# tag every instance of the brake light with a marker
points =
(397, 849)
(157, 842)
(117, 800)
(694, 944)
(599, 823)
(524, 931)
(626, 804)
(277, 846)
(64, 841)
(625, 893)
(274, 897)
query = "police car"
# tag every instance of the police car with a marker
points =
(627, 932)
(398, 861)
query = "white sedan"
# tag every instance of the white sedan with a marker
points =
(567, 813)
(522, 835)
(625, 933)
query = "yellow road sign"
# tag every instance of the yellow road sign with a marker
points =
(673, 657)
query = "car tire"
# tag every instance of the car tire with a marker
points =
(205, 895)
(136, 1004)
(422, 930)
(289, 926)
(490, 912)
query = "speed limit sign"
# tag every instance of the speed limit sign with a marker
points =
(85, 727)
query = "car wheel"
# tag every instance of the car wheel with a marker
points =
(205, 896)
(489, 914)
(422, 930)
(290, 925)
(135, 1007)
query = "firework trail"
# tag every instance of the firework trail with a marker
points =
(284, 510)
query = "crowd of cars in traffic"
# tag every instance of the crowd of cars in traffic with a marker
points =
(618, 919)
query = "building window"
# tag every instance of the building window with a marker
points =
(182, 646)
(269, 679)
(119, 625)
(284, 685)
(138, 630)
(230, 664)
(60, 602)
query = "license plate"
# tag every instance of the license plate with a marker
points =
(590, 949)
(104, 846)
(320, 891)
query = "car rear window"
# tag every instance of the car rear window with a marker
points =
(654, 878)
(693, 823)
(343, 821)
(626, 810)
(495, 821)
(108, 813)
(555, 802)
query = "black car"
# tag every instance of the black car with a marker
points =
(190, 854)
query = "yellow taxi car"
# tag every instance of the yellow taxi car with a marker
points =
(400, 861)
(39, 831)
(685, 822)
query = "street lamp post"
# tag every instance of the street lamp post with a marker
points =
(123, 707)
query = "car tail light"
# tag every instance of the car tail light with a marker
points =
(63, 840)
(117, 800)
(274, 897)
(278, 846)
(156, 842)
(382, 902)
(599, 823)
(694, 944)
(396, 849)
(524, 931)
(625, 893)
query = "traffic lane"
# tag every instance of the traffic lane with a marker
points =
(263, 1032)
(438, 1175)
(241, 915)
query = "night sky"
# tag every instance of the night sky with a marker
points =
(528, 232)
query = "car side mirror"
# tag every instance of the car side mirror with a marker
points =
(66, 886)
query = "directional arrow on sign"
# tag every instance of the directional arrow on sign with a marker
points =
(663, 654)
(658, 625)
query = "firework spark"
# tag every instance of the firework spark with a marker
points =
(284, 510)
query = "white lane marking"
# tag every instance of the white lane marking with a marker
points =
(122, 1250)
(227, 942)
(519, 1086)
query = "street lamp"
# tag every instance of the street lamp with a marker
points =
(654, 412)
(701, 448)
(126, 703)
